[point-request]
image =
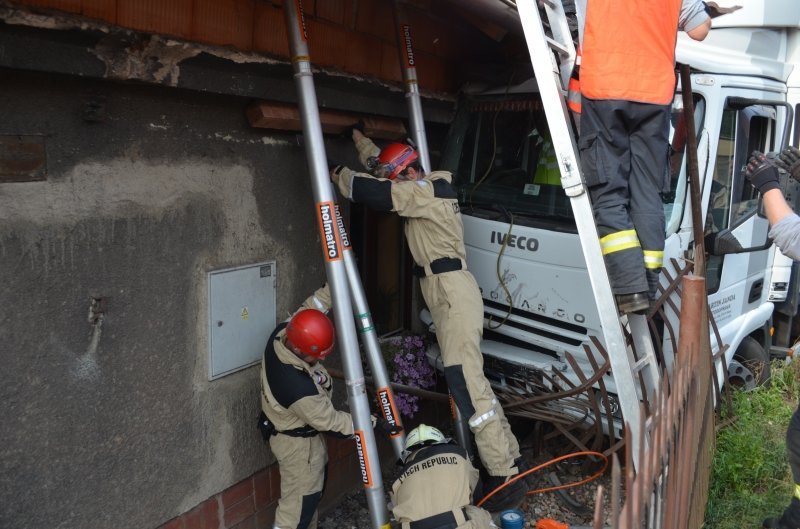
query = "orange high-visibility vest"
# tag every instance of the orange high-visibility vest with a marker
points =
(574, 86)
(629, 50)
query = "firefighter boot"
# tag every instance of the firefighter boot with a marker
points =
(638, 303)
(508, 497)
(529, 480)
(790, 519)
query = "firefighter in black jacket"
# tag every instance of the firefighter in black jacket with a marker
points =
(436, 485)
(296, 407)
(296, 400)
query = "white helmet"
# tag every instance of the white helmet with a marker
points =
(422, 435)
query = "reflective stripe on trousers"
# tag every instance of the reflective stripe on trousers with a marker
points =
(653, 259)
(618, 241)
(476, 421)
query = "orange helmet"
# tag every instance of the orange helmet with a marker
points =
(311, 333)
(394, 158)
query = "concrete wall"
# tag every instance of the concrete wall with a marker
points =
(153, 179)
(138, 205)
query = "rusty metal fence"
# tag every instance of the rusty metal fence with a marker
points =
(670, 489)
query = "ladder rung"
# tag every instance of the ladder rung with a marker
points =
(558, 47)
(641, 364)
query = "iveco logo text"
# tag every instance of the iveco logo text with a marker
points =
(523, 243)
(409, 48)
(386, 406)
(327, 231)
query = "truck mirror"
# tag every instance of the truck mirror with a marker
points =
(749, 234)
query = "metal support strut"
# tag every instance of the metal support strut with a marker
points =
(335, 265)
(369, 338)
(408, 65)
(405, 47)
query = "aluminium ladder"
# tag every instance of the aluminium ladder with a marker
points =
(552, 60)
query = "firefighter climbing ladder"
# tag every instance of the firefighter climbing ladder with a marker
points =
(552, 60)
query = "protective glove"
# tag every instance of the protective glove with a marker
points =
(789, 161)
(713, 10)
(385, 427)
(762, 173)
(359, 126)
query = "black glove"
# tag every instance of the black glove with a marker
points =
(359, 126)
(762, 173)
(385, 427)
(713, 10)
(789, 161)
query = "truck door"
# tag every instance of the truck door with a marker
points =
(736, 281)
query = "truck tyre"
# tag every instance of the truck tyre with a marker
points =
(750, 366)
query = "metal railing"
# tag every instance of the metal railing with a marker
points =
(670, 488)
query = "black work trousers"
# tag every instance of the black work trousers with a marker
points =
(624, 149)
(793, 444)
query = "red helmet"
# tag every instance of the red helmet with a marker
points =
(395, 157)
(311, 333)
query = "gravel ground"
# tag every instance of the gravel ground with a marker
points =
(352, 513)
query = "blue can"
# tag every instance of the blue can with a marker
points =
(512, 519)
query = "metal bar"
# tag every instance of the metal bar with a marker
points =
(369, 338)
(692, 170)
(335, 265)
(398, 388)
(408, 65)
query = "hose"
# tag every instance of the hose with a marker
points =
(497, 271)
(593, 477)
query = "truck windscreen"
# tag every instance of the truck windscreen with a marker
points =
(508, 163)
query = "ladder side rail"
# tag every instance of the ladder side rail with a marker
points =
(559, 27)
(335, 265)
(548, 80)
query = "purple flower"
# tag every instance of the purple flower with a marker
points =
(408, 365)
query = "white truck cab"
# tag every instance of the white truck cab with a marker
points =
(522, 242)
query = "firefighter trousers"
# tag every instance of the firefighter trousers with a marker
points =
(301, 461)
(624, 148)
(456, 306)
(793, 447)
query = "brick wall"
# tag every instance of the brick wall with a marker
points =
(355, 36)
(251, 503)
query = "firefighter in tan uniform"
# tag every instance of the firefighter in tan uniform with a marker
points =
(435, 237)
(296, 407)
(436, 484)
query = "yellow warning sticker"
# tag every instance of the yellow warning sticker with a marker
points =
(245, 314)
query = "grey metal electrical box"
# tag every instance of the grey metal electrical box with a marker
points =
(241, 316)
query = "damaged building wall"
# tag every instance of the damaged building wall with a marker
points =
(147, 189)
(142, 174)
(357, 37)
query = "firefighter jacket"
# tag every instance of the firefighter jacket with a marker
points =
(433, 227)
(435, 480)
(296, 395)
(628, 49)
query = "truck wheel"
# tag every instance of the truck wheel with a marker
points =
(750, 365)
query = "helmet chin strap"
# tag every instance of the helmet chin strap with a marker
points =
(308, 359)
